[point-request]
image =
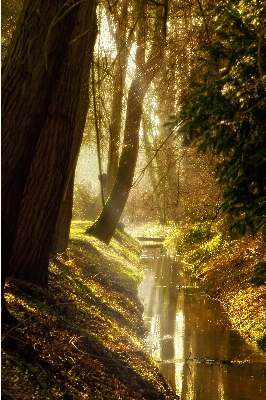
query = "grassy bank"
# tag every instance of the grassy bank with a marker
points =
(81, 338)
(237, 280)
(231, 271)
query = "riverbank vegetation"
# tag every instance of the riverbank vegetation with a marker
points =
(233, 271)
(82, 337)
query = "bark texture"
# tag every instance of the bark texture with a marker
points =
(115, 128)
(55, 151)
(30, 72)
(62, 229)
(123, 39)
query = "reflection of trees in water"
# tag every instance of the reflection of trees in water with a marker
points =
(192, 341)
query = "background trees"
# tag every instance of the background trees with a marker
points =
(166, 194)
(225, 108)
(148, 63)
(182, 184)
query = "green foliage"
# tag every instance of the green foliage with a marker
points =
(84, 202)
(262, 343)
(199, 243)
(259, 277)
(225, 108)
(196, 234)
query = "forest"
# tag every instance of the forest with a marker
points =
(131, 113)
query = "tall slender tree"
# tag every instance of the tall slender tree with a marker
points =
(107, 222)
(123, 37)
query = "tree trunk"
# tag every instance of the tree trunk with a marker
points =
(152, 169)
(30, 73)
(62, 229)
(54, 157)
(105, 225)
(115, 129)
(123, 39)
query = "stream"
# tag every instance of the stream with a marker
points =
(190, 337)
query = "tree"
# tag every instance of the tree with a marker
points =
(40, 107)
(63, 222)
(62, 228)
(123, 37)
(106, 117)
(225, 108)
(163, 157)
(164, 152)
(106, 224)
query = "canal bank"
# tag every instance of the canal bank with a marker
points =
(81, 338)
(232, 271)
(190, 337)
(238, 281)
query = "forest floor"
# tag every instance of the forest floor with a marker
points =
(82, 337)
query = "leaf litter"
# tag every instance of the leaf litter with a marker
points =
(82, 338)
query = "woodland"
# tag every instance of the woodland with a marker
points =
(131, 112)
(180, 83)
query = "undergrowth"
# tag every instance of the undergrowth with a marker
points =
(231, 271)
(82, 337)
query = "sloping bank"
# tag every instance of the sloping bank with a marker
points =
(81, 338)
(238, 281)
(230, 271)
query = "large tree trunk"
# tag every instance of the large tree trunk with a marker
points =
(62, 229)
(51, 167)
(30, 72)
(106, 224)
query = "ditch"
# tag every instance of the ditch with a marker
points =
(191, 339)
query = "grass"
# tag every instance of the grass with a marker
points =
(82, 337)
(237, 280)
(231, 271)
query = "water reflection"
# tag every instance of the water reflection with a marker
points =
(190, 337)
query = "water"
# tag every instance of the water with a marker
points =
(190, 338)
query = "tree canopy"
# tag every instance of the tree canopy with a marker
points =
(224, 107)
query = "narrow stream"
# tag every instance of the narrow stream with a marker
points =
(190, 337)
